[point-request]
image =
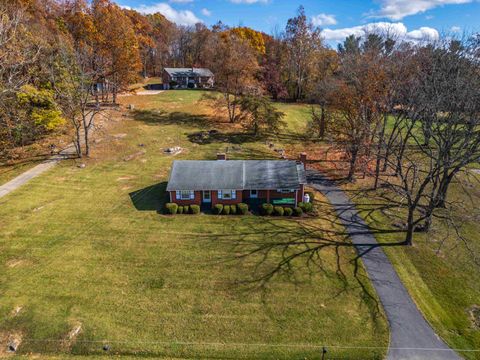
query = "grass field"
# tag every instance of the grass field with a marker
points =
(87, 260)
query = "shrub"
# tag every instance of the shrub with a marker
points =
(242, 208)
(217, 209)
(267, 209)
(301, 205)
(288, 211)
(308, 207)
(298, 211)
(180, 210)
(226, 209)
(195, 209)
(278, 210)
(171, 208)
(233, 209)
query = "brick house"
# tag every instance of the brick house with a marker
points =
(187, 78)
(221, 181)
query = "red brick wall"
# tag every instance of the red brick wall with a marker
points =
(197, 200)
(216, 200)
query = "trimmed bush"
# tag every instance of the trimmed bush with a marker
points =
(217, 209)
(301, 205)
(298, 211)
(308, 208)
(195, 209)
(233, 209)
(242, 208)
(267, 209)
(288, 211)
(171, 208)
(226, 209)
(278, 210)
(180, 210)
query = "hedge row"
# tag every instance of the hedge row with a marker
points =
(172, 209)
(220, 209)
(269, 209)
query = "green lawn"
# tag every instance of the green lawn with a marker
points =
(86, 248)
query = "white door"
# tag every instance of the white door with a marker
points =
(207, 196)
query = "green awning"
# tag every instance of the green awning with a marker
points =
(284, 201)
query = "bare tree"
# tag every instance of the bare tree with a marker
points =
(447, 96)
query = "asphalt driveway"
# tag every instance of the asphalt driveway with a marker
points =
(411, 337)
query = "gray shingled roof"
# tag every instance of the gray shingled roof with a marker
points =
(236, 174)
(189, 72)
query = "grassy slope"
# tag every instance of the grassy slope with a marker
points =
(86, 246)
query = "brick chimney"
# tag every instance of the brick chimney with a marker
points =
(303, 159)
(221, 156)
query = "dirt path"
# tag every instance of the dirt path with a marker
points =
(411, 337)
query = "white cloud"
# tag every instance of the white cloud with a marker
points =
(206, 12)
(455, 29)
(323, 20)
(398, 30)
(180, 17)
(249, 1)
(398, 9)
(181, 1)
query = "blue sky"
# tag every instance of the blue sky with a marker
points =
(413, 19)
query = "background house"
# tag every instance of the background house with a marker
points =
(210, 182)
(187, 78)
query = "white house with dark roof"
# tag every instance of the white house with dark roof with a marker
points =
(187, 78)
(210, 182)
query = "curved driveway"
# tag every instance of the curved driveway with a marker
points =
(411, 337)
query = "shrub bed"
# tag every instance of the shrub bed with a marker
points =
(195, 209)
(171, 208)
(226, 210)
(298, 211)
(306, 207)
(266, 209)
(242, 208)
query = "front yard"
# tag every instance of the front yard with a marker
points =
(87, 260)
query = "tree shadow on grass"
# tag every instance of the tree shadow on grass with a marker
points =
(160, 117)
(294, 250)
(151, 198)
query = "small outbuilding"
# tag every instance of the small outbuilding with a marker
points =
(210, 182)
(187, 78)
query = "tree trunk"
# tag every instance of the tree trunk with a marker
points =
(410, 227)
(353, 164)
(77, 143)
(323, 124)
(379, 151)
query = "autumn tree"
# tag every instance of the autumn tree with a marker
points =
(303, 42)
(258, 114)
(235, 67)
(117, 45)
(357, 113)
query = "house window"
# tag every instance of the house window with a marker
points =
(253, 193)
(185, 195)
(227, 194)
(285, 191)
